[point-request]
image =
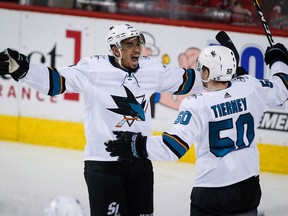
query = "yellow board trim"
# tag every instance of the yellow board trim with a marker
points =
(42, 131)
(273, 158)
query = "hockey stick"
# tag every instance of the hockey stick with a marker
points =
(223, 38)
(264, 23)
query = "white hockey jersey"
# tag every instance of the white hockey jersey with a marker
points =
(222, 126)
(114, 99)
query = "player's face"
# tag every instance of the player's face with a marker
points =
(131, 50)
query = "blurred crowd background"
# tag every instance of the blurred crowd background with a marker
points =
(232, 12)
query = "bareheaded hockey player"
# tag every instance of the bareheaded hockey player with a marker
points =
(222, 123)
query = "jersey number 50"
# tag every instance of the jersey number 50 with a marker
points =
(220, 146)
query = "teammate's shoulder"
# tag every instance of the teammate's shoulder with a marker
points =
(244, 78)
(93, 59)
(99, 57)
(194, 98)
(151, 61)
(93, 63)
(192, 102)
(146, 58)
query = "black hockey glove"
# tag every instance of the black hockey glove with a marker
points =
(13, 63)
(277, 52)
(240, 71)
(128, 145)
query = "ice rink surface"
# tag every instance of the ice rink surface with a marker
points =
(32, 176)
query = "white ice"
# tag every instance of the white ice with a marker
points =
(31, 176)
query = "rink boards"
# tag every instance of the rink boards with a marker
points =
(55, 38)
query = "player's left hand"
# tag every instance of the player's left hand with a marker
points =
(128, 145)
(277, 52)
(240, 71)
(4, 63)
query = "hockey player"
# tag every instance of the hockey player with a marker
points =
(117, 89)
(222, 122)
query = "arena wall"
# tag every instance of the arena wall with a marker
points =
(60, 37)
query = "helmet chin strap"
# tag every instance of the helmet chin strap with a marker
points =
(205, 87)
(205, 81)
(204, 84)
(119, 59)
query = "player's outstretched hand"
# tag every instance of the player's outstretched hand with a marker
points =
(4, 63)
(277, 52)
(240, 71)
(13, 63)
(128, 145)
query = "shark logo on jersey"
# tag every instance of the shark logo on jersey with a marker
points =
(129, 107)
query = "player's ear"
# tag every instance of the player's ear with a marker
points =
(115, 51)
(205, 73)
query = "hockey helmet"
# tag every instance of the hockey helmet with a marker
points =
(118, 33)
(220, 61)
(65, 205)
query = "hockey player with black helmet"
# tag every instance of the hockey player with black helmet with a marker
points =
(222, 123)
(117, 90)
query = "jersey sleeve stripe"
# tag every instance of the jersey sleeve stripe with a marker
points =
(188, 82)
(175, 144)
(56, 83)
(283, 77)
